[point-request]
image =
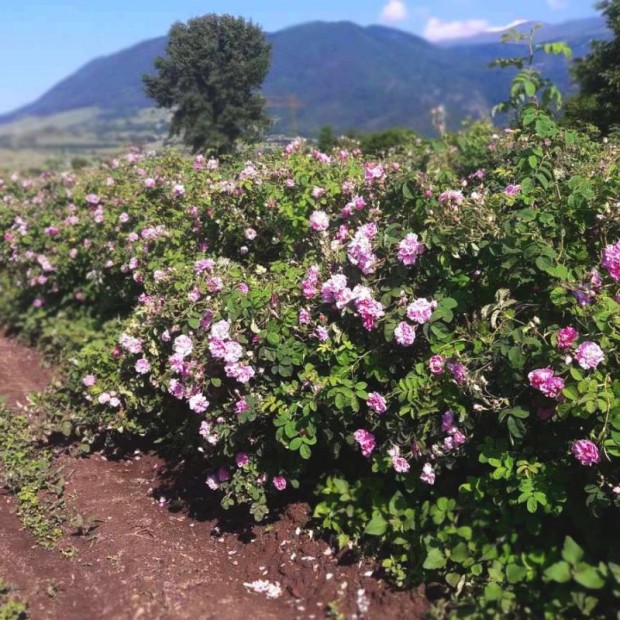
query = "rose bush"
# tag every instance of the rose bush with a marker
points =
(431, 343)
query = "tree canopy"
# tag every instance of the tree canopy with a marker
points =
(598, 75)
(210, 78)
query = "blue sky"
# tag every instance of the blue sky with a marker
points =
(43, 41)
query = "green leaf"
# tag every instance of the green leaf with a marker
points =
(515, 573)
(560, 572)
(295, 444)
(588, 577)
(571, 551)
(194, 323)
(434, 560)
(493, 591)
(377, 526)
(453, 579)
(304, 451)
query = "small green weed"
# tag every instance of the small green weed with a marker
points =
(11, 608)
(26, 470)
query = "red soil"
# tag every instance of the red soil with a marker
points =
(153, 557)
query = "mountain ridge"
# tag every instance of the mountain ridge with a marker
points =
(330, 73)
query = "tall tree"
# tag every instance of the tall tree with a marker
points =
(598, 75)
(211, 78)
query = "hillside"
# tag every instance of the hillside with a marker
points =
(341, 74)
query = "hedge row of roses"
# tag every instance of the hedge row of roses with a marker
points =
(431, 343)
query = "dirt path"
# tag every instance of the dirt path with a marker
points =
(148, 559)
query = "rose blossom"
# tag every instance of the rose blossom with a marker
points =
(221, 330)
(242, 459)
(279, 482)
(183, 346)
(447, 421)
(553, 388)
(539, 376)
(566, 337)
(545, 381)
(436, 364)
(409, 249)
(421, 310)
(400, 464)
(321, 333)
(404, 334)
(241, 406)
(458, 371)
(198, 403)
(319, 221)
(366, 441)
(586, 452)
(611, 260)
(589, 355)
(376, 402)
(142, 366)
(427, 475)
(89, 380)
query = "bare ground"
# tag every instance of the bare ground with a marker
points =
(152, 557)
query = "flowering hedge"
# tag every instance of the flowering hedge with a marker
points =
(431, 343)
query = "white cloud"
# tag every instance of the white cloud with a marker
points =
(394, 11)
(557, 5)
(436, 30)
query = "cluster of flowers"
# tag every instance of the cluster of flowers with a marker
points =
(336, 291)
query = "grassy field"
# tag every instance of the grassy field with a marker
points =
(85, 135)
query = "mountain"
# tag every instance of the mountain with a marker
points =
(338, 74)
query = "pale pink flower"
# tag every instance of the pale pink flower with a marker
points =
(198, 403)
(319, 221)
(221, 330)
(409, 249)
(452, 197)
(183, 346)
(427, 475)
(142, 366)
(89, 380)
(404, 334)
(589, 355)
(240, 372)
(421, 310)
(400, 464)
(204, 264)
